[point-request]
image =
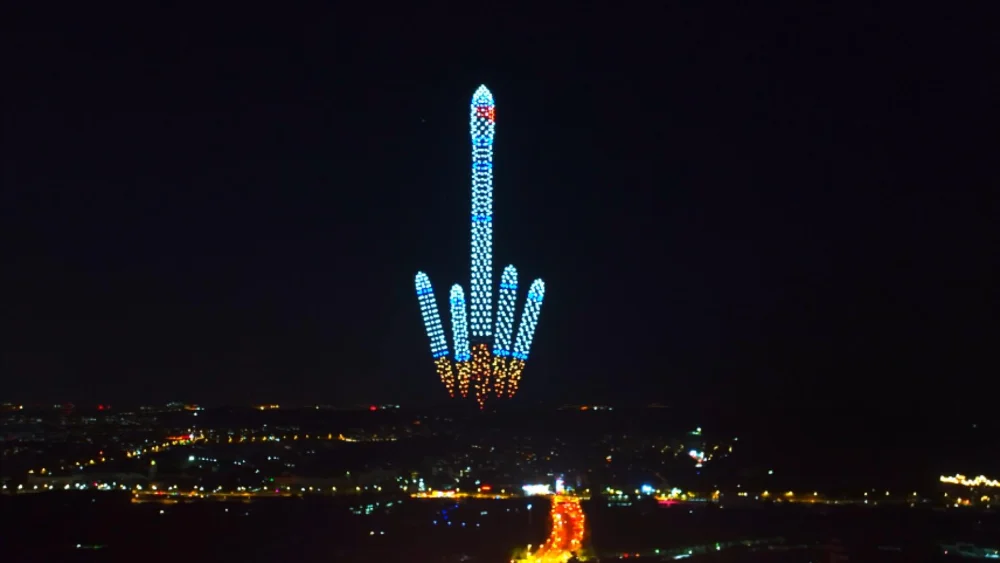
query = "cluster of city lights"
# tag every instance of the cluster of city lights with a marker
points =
(295, 437)
(478, 494)
(981, 481)
(484, 358)
(170, 441)
(677, 553)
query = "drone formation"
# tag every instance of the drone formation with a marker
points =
(488, 358)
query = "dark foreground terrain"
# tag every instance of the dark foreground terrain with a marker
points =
(107, 527)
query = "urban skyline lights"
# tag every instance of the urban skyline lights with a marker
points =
(484, 359)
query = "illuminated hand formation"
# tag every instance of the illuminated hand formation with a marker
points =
(485, 356)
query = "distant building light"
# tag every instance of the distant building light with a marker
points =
(537, 490)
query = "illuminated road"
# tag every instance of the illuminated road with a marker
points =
(174, 497)
(566, 537)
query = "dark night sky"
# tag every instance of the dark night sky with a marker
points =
(726, 205)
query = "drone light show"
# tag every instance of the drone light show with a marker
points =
(432, 321)
(488, 359)
(460, 333)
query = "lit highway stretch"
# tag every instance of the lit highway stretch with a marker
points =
(565, 539)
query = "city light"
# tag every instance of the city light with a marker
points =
(537, 490)
(698, 457)
(481, 495)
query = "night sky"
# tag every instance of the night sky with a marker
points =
(729, 206)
